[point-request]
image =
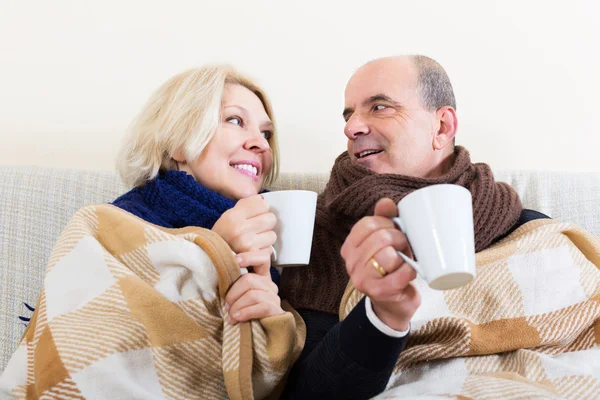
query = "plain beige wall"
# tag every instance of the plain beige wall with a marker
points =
(74, 73)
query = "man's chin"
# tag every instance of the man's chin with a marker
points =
(371, 165)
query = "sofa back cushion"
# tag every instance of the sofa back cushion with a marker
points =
(36, 204)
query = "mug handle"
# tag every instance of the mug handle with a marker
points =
(273, 254)
(398, 222)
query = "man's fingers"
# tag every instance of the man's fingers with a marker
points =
(387, 259)
(361, 231)
(374, 244)
(390, 288)
(386, 208)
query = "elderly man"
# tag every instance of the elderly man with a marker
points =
(401, 121)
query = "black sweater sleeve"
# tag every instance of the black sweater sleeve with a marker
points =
(351, 359)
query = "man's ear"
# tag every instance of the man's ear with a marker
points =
(448, 127)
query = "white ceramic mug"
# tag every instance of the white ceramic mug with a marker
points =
(438, 222)
(295, 212)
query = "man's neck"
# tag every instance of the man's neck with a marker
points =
(443, 166)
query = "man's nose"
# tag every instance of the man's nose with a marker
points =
(356, 126)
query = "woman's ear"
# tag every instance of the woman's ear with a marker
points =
(179, 155)
(448, 127)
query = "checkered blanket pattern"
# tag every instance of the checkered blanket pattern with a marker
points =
(132, 310)
(527, 327)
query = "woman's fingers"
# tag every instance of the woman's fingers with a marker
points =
(255, 304)
(255, 241)
(259, 260)
(247, 283)
(250, 207)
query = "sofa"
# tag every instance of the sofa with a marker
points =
(36, 203)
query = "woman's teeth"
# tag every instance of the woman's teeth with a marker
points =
(247, 167)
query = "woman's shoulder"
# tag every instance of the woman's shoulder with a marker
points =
(136, 203)
(132, 199)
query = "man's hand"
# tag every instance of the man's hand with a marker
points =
(248, 230)
(394, 298)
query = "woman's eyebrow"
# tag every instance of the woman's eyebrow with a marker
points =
(242, 109)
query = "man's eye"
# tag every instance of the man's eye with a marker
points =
(235, 120)
(379, 107)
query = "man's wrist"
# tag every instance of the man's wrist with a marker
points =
(390, 326)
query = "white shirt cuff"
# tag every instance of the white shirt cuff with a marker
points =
(377, 323)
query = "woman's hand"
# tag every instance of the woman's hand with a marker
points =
(248, 230)
(375, 268)
(253, 296)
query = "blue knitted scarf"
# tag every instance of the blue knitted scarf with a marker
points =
(175, 200)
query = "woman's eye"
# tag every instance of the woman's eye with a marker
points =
(379, 107)
(235, 120)
(267, 134)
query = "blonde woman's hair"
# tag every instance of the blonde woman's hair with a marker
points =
(184, 112)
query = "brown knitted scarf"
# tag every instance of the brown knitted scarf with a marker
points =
(351, 194)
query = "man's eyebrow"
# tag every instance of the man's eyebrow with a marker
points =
(380, 97)
(377, 98)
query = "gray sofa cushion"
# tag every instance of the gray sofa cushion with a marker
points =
(35, 205)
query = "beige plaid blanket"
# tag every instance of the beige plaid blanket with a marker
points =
(528, 327)
(133, 311)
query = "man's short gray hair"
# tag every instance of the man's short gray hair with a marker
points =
(433, 85)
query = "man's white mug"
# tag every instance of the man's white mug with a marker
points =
(438, 222)
(295, 212)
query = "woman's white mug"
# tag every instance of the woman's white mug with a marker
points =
(438, 222)
(295, 212)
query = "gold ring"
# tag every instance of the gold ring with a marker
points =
(378, 267)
